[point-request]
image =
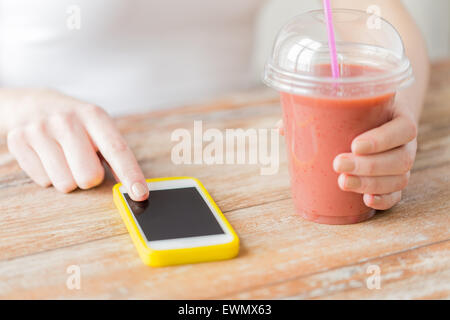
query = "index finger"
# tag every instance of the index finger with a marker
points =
(390, 135)
(115, 151)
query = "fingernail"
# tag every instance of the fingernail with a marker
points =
(139, 190)
(362, 146)
(343, 164)
(352, 182)
(376, 198)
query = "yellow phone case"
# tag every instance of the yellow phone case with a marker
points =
(159, 258)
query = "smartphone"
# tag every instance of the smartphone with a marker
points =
(179, 223)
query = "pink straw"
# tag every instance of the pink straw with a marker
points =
(331, 39)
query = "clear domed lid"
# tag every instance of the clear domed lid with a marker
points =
(370, 54)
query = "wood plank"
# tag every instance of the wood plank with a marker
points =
(277, 245)
(418, 273)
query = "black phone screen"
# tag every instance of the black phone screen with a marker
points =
(174, 213)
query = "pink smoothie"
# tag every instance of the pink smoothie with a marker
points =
(317, 129)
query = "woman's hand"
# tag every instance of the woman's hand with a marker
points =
(55, 140)
(381, 158)
(380, 162)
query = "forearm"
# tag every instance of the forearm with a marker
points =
(415, 47)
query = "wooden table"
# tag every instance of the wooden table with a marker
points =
(43, 232)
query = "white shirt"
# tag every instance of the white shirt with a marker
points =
(128, 55)
(136, 55)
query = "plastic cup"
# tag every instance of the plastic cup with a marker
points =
(322, 114)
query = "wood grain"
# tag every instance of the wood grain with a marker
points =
(42, 232)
